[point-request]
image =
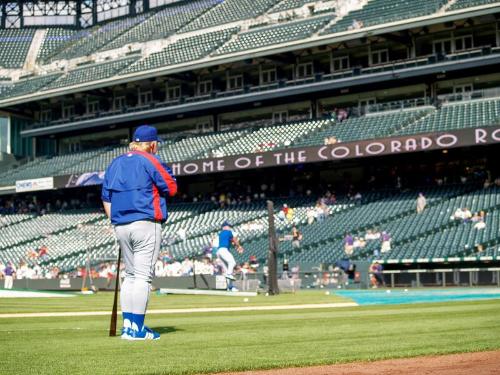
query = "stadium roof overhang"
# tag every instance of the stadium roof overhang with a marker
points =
(315, 41)
(289, 91)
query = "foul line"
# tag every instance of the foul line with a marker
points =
(186, 311)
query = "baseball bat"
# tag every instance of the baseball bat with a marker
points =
(114, 313)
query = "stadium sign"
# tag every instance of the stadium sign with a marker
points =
(341, 151)
(291, 156)
(46, 183)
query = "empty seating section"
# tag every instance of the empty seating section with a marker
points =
(483, 112)
(403, 225)
(271, 137)
(90, 236)
(230, 11)
(249, 220)
(288, 4)
(43, 226)
(460, 4)
(42, 167)
(171, 150)
(97, 163)
(266, 138)
(13, 219)
(14, 47)
(55, 39)
(196, 146)
(67, 241)
(29, 85)
(274, 35)
(87, 42)
(183, 50)
(91, 72)
(163, 23)
(365, 127)
(377, 12)
(431, 234)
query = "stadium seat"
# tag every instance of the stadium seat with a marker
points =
(14, 47)
(378, 12)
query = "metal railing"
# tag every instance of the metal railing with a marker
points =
(442, 277)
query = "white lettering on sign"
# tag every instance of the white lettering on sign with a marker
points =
(243, 162)
(340, 152)
(480, 135)
(375, 148)
(446, 140)
(496, 135)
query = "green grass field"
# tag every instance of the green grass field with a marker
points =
(223, 341)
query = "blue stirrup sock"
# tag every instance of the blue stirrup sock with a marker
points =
(127, 319)
(137, 322)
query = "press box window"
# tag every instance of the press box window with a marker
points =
(46, 115)
(68, 111)
(235, 82)
(268, 76)
(380, 57)
(93, 106)
(119, 102)
(304, 70)
(204, 87)
(340, 63)
(145, 97)
(463, 42)
(173, 92)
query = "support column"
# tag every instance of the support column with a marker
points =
(94, 12)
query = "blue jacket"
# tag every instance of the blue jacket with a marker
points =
(136, 185)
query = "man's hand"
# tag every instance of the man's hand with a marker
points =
(240, 249)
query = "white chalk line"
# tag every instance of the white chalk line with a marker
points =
(186, 311)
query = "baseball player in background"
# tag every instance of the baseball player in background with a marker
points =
(226, 239)
(134, 193)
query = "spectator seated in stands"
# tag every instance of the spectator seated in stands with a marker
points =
(282, 215)
(254, 263)
(386, 242)
(43, 253)
(296, 238)
(321, 210)
(359, 242)
(372, 234)
(421, 203)
(31, 254)
(330, 140)
(467, 215)
(479, 220)
(311, 215)
(348, 244)
(186, 267)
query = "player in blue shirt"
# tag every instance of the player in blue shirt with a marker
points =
(134, 193)
(226, 239)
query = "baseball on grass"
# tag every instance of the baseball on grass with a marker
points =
(245, 300)
(327, 293)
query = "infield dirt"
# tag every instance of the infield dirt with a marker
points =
(482, 363)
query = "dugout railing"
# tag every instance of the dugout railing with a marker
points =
(442, 277)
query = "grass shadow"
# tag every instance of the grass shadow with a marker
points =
(162, 330)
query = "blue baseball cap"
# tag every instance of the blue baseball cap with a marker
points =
(226, 224)
(146, 133)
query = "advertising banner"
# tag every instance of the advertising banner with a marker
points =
(45, 183)
(314, 154)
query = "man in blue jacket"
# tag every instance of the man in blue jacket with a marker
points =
(134, 193)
